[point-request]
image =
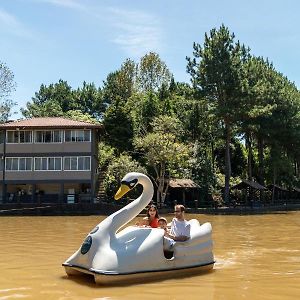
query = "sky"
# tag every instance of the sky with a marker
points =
(42, 41)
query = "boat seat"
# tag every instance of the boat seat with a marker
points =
(168, 254)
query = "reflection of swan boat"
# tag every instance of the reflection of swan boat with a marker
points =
(138, 252)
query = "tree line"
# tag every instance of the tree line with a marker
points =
(237, 118)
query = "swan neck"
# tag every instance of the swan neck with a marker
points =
(131, 210)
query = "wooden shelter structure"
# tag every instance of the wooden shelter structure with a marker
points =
(296, 195)
(183, 191)
(251, 192)
(280, 194)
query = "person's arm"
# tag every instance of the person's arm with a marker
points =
(181, 238)
(143, 223)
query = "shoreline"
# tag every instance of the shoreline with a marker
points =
(85, 209)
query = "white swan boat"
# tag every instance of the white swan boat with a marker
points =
(115, 256)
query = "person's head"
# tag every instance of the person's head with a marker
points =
(179, 210)
(152, 212)
(162, 223)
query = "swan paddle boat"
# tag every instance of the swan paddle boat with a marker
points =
(112, 255)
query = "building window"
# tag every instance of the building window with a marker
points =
(19, 136)
(77, 135)
(47, 163)
(48, 136)
(18, 164)
(77, 163)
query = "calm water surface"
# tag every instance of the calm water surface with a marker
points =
(258, 257)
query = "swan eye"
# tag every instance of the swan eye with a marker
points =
(132, 183)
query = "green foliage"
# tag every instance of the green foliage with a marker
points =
(218, 75)
(59, 98)
(119, 85)
(238, 158)
(163, 153)
(78, 115)
(52, 100)
(6, 107)
(89, 100)
(7, 85)
(233, 96)
(118, 126)
(202, 169)
(152, 73)
(106, 154)
(143, 108)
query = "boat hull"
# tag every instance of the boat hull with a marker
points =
(103, 278)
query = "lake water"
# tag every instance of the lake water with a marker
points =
(257, 257)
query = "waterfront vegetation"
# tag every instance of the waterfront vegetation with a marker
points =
(238, 118)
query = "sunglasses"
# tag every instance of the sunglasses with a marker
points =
(177, 211)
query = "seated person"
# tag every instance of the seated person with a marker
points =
(163, 223)
(152, 218)
(180, 228)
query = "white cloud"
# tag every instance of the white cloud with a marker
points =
(136, 32)
(73, 4)
(10, 24)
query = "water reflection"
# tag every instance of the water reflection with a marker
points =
(257, 257)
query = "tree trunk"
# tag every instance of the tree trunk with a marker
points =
(249, 146)
(212, 155)
(274, 182)
(227, 163)
(261, 179)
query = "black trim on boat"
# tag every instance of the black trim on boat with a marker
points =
(140, 272)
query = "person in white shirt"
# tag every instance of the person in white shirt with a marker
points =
(180, 228)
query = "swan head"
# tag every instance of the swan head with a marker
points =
(129, 181)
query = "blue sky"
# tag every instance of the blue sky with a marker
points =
(43, 41)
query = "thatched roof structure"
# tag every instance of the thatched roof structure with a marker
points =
(247, 183)
(183, 183)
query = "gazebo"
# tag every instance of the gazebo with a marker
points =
(184, 191)
(279, 194)
(251, 190)
(296, 195)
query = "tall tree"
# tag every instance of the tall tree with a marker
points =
(51, 100)
(89, 100)
(59, 98)
(259, 90)
(152, 73)
(118, 126)
(216, 71)
(164, 154)
(7, 85)
(119, 85)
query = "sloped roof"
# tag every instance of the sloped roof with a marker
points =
(270, 187)
(183, 183)
(46, 122)
(296, 189)
(247, 183)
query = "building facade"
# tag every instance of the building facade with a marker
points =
(48, 160)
